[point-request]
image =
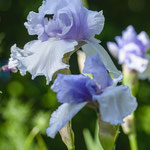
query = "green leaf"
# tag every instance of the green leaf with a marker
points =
(92, 143)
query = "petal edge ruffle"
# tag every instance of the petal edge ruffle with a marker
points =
(44, 58)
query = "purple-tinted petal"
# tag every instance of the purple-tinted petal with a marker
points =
(129, 34)
(35, 25)
(74, 88)
(113, 48)
(115, 104)
(60, 26)
(119, 41)
(14, 61)
(143, 37)
(136, 63)
(68, 20)
(62, 116)
(42, 58)
(95, 23)
(127, 50)
(146, 74)
(92, 48)
(94, 66)
(132, 49)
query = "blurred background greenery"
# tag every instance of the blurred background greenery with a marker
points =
(26, 105)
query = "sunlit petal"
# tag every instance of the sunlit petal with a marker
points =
(62, 115)
(44, 58)
(92, 48)
(74, 88)
(115, 104)
(94, 66)
(113, 48)
(146, 74)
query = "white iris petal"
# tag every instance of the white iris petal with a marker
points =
(44, 58)
(115, 104)
(92, 48)
(62, 116)
(146, 74)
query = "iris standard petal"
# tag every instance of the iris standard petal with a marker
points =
(113, 48)
(62, 116)
(94, 66)
(14, 62)
(143, 37)
(64, 19)
(45, 58)
(74, 88)
(92, 48)
(127, 50)
(132, 49)
(146, 74)
(94, 24)
(129, 34)
(115, 103)
(136, 63)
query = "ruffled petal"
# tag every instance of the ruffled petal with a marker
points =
(146, 74)
(62, 25)
(14, 62)
(74, 88)
(94, 66)
(70, 21)
(129, 34)
(127, 50)
(45, 58)
(115, 104)
(95, 24)
(92, 48)
(113, 48)
(143, 37)
(62, 116)
(86, 23)
(137, 63)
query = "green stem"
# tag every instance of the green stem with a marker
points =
(66, 132)
(131, 79)
(107, 134)
(41, 142)
(30, 138)
(133, 142)
(67, 136)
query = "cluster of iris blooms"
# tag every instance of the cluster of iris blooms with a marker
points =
(62, 27)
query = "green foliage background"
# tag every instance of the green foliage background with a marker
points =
(26, 105)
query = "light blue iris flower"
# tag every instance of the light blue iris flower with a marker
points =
(61, 26)
(75, 91)
(131, 50)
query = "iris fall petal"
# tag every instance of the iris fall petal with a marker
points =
(62, 116)
(44, 58)
(115, 104)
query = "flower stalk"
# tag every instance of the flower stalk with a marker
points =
(130, 79)
(67, 136)
(107, 134)
(30, 138)
(66, 132)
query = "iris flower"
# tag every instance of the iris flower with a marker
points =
(62, 26)
(131, 50)
(76, 91)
